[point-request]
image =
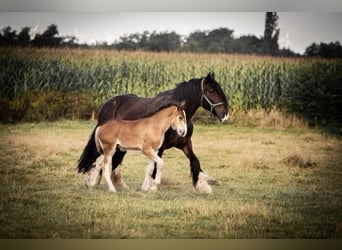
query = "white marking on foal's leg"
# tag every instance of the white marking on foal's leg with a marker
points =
(202, 184)
(157, 178)
(148, 181)
(107, 171)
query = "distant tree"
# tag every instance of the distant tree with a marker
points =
(69, 41)
(221, 39)
(217, 40)
(8, 36)
(271, 34)
(128, 42)
(164, 41)
(144, 40)
(312, 50)
(24, 36)
(48, 38)
(288, 53)
(331, 50)
(248, 44)
(196, 42)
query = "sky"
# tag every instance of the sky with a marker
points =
(298, 30)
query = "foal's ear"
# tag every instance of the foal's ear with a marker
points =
(181, 105)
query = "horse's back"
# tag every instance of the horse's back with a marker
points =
(129, 107)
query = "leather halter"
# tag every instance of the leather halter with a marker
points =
(212, 105)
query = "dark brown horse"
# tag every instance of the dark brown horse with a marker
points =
(205, 92)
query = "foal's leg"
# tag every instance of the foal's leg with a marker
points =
(149, 183)
(156, 175)
(107, 162)
(116, 175)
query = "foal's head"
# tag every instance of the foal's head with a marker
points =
(178, 121)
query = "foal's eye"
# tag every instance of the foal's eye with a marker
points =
(180, 118)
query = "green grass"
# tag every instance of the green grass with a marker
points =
(268, 183)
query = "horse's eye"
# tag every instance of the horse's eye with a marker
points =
(181, 118)
(210, 91)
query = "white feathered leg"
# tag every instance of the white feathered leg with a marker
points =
(107, 172)
(92, 177)
(148, 183)
(202, 184)
(117, 179)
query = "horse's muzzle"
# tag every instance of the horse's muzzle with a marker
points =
(225, 118)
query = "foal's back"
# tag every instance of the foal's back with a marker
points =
(135, 134)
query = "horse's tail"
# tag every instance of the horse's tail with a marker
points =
(89, 155)
(91, 152)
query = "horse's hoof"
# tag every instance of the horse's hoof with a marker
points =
(92, 178)
(121, 186)
(202, 185)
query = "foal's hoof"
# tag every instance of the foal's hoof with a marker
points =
(154, 187)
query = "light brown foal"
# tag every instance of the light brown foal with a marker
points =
(145, 134)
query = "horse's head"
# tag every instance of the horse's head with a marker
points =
(178, 121)
(213, 98)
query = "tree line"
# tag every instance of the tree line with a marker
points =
(219, 40)
(49, 38)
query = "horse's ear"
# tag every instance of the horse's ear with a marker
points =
(211, 75)
(181, 105)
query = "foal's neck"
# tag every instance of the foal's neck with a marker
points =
(163, 117)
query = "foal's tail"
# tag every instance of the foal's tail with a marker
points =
(89, 155)
(97, 140)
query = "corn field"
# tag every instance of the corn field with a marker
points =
(50, 84)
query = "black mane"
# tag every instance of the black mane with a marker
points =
(189, 89)
(185, 90)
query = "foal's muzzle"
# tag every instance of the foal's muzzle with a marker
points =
(182, 132)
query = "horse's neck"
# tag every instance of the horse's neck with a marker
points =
(192, 95)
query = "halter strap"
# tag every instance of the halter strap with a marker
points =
(212, 105)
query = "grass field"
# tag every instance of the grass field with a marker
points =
(268, 183)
